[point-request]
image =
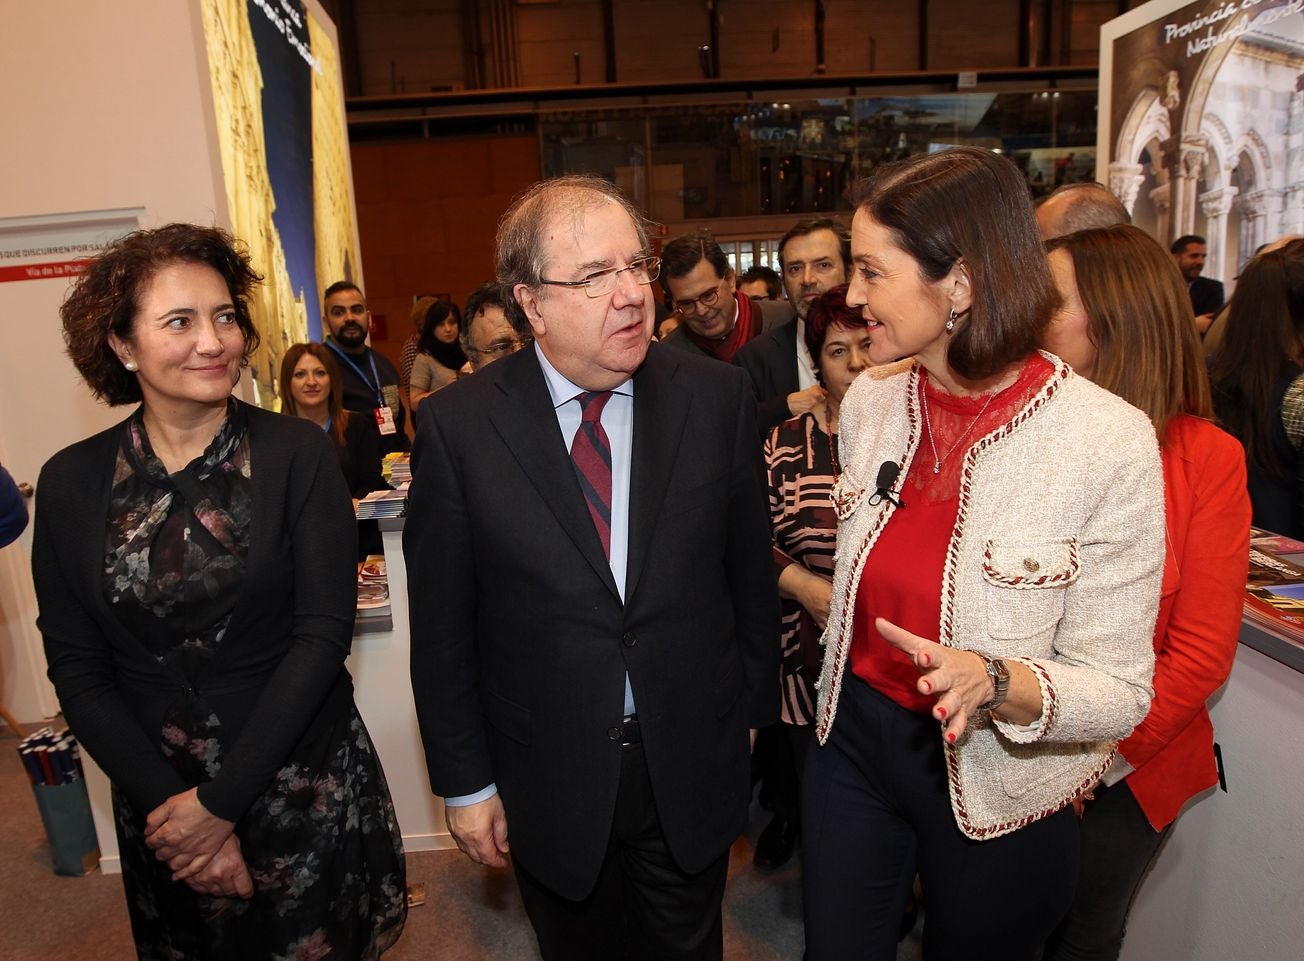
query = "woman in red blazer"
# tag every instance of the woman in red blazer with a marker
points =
(1126, 323)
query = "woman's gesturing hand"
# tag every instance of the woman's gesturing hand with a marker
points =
(957, 677)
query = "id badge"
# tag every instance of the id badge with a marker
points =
(390, 394)
(385, 420)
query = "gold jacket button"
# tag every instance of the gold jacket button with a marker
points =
(1030, 565)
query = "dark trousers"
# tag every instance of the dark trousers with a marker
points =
(876, 809)
(790, 750)
(643, 908)
(1118, 846)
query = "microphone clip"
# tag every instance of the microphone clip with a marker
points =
(888, 473)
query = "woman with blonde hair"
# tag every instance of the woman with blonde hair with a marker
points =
(1126, 323)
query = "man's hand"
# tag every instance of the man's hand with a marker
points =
(225, 875)
(480, 831)
(803, 400)
(183, 833)
(1203, 322)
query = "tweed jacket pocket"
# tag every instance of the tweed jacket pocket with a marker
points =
(1057, 772)
(1025, 584)
(847, 495)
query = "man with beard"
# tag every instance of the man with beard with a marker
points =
(815, 256)
(1206, 295)
(593, 605)
(371, 384)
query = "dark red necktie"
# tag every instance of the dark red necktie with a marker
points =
(591, 452)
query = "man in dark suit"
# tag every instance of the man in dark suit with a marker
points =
(814, 256)
(593, 604)
(1206, 295)
(715, 318)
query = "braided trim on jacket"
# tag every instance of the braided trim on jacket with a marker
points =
(945, 627)
(824, 724)
(1020, 582)
(1006, 827)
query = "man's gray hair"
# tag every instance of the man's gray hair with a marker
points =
(1086, 206)
(521, 256)
(520, 246)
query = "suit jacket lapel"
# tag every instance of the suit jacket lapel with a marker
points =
(660, 414)
(524, 417)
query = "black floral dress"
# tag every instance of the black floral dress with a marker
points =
(321, 843)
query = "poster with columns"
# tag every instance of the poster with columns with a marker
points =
(1201, 122)
(278, 98)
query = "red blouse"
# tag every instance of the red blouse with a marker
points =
(902, 577)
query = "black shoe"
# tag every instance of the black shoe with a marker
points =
(775, 845)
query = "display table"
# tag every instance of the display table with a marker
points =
(383, 691)
(382, 682)
(1229, 883)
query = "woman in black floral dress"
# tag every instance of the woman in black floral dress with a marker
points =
(195, 572)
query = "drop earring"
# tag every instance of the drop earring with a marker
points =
(950, 321)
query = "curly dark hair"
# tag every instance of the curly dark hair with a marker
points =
(827, 309)
(106, 297)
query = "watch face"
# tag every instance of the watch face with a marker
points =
(999, 672)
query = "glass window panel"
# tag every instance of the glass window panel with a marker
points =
(610, 144)
(713, 161)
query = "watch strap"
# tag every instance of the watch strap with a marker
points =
(999, 672)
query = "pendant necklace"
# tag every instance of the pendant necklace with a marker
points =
(828, 431)
(937, 461)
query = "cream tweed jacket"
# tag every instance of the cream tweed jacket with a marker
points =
(1055, 562)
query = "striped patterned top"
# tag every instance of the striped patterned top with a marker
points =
(799, 462)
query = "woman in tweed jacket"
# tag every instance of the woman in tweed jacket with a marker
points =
(1000, 547)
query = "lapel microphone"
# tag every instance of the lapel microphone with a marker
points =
(888, 472)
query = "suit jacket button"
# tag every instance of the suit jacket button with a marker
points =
(613, 733)
(629, 639)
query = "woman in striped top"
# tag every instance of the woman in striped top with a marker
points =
(802, 463)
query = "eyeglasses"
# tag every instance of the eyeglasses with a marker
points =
(706, 301)
(601, 282)
(509, 346)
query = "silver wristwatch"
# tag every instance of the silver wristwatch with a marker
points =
(999, 672)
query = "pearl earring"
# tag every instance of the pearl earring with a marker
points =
(950, 321)
(130, 365)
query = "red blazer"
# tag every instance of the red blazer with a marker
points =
(1208, 520)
